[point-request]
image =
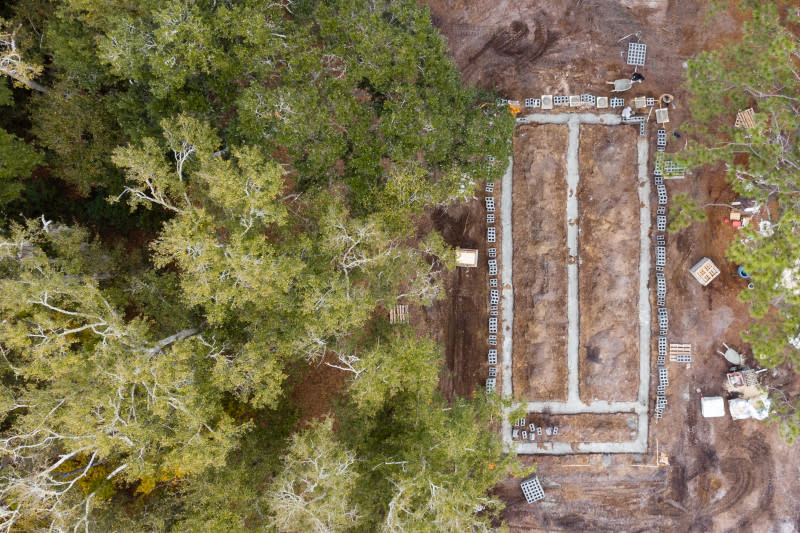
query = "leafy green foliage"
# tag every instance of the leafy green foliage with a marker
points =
(684, 212)
(758, 72)
(274, 159)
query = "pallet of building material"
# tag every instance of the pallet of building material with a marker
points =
(490, 186)
(492, 267)
(492, 325)
(489, 204)
(532, 490)
(616, 102)
(492, 371)
(494, 296)
(661, 222)
(398, 314)
(680, 353)
(744, 119)
(492, 356)
(491, 234)
(492, 253)
(534, 103)
(588, 99)
(492, 340)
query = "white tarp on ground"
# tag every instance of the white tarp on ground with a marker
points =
(712, 406)
(740, 409)
(757, 408)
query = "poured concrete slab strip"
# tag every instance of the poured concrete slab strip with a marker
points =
(573, 336)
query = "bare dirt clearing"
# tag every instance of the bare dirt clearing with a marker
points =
(724, 475)
(540, 263)
(609, 263)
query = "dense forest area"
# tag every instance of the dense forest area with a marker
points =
(200, 201)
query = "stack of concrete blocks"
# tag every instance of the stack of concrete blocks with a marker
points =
(661, 280)
(661, 140)
(642, 124)
(637, 52)
(662, 351)
(561, 100)
(663, 321)
(534, 103)
(532, 490)
(494, 292)
(588, 99)
(661, 288)
(616, 101)
(661, 391)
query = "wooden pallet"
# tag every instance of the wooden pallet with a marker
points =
(398, 315)
(744, 119)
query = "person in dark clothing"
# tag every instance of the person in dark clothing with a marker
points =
(637, 77)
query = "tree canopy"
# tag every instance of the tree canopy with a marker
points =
(199, 202)
(758, 72)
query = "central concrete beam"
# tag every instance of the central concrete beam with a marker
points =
(573, 332)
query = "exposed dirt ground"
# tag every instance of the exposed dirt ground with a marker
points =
(724, 475)
(576, 429)
(462, 319)
(540, 263)
(608, 274)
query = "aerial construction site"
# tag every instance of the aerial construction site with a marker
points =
(608, 340)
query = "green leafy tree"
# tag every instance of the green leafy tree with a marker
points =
(684, 211)
(92, 387)
(314, 488)
(762, 162)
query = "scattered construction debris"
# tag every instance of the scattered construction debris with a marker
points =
(680, 353)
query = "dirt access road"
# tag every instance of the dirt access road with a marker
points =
(723, 475)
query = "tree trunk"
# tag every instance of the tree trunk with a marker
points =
(166, 341)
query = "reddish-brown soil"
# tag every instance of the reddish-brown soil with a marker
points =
(540, 263)
(461, 321)
(576, 429)
(724, 475)
(608, 274)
